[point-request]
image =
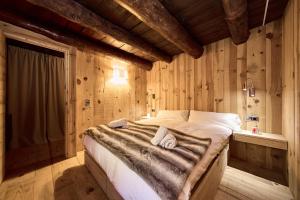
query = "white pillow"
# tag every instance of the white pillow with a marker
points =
(229, 120)
(173, 114)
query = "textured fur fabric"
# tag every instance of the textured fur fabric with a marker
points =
(164, 170)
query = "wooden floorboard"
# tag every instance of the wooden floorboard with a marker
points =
(70, 180)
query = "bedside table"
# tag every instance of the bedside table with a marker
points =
(264, 139)
(263, 154)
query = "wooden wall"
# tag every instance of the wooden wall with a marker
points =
(214, 81)
(2, 103)
(291, 91)
(108, 101)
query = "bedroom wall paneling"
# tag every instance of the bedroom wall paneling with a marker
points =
(107, 101)
(2, 103)
(214, 82)
(291, 92)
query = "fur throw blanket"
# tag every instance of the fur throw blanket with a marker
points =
(166, 171)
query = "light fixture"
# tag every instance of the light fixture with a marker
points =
(248, 85)
(120, 75)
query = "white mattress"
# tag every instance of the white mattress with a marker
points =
(129, 184)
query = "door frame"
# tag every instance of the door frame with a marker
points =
(23, 35)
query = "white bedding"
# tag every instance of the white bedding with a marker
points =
(132, 186)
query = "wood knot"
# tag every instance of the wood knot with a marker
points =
(78, 81)
(85, 78)
(99, 102)
(89, 190)
(269, 35)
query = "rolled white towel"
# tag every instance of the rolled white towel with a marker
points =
(159, 135)
(168, 142)
(118, 123)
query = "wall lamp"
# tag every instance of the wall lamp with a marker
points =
(248, 85)
(120, 75)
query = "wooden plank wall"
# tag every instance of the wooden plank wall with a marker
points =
(291, 91)
(2, 102)
(214, 81)
(107, 100)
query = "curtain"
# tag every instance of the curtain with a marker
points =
(35, 97)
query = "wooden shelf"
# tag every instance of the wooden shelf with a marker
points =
(265, 139)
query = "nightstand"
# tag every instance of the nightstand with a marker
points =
(276, 141)
(263, 154)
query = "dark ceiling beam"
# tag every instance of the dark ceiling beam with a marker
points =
(73, 40)
(75, 12)
(237, 19)
(156, 16)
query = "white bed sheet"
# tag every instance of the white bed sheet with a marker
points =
(129, 184)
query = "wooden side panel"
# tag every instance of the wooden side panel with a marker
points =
(99, 99)
(214, 81)
(291, 82)
(2, 102)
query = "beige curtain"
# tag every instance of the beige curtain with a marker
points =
(35, 97)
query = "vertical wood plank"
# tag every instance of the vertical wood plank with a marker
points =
(256, 71)
(273, 77)
(2, 103)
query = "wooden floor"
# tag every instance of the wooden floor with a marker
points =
(69, 179)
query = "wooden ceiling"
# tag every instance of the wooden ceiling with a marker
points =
(204, 20)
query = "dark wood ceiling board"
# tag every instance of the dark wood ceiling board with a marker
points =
(177, 6)
(201, 17)
(153, 37)
(131, 22)
(140, 29)
(112, 12)
(206, 8)
(256, 13)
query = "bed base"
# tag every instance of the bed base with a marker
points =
(206, 190)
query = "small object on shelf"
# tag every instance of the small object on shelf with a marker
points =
(255, 130)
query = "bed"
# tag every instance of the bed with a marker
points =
(119, 181)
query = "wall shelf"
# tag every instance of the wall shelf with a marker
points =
(265, 139)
